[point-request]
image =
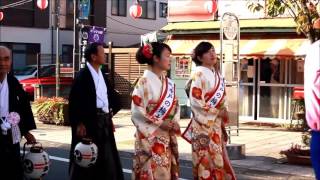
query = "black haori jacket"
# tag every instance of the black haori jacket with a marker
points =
(20, 103)
(82, 105)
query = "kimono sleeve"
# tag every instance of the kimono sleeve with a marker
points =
(140, 118)
(198, 90)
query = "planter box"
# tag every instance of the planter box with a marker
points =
(301, 158)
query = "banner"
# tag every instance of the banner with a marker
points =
(93, 34)
(96, 34)
(84, 9)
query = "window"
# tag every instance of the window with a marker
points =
(183, 66)
(163, 11)
(119, 7)
(148, 9)
(23, 54)
(67, 54)
(69, 14)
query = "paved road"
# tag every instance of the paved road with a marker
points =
(59, 154)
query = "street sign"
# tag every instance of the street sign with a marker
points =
(230, 63)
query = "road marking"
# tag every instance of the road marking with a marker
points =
(128, 171)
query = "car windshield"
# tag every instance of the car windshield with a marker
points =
(47, 71)
(25, 71)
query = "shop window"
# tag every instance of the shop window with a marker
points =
(296, 68)
(247, 70)
(183, 66)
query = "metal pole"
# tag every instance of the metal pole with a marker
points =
(75, 29)
(57, 50)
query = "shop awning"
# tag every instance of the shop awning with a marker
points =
(251, 48)
(246, 25)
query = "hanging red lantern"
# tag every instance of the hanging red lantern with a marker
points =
(211, 6)
(42, 4)
(1, 15)
(135, 10)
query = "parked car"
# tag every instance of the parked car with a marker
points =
(47, 82)
(25, 73)
(32, 71)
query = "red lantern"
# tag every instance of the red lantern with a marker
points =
(1, 15)
(211, 6)
(135, 10)
(42, 4)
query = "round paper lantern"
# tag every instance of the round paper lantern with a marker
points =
(135, 11)
(1, 15)
(316, 24)
(211, 6)
(42, 4)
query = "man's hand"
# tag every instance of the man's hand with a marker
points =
(81, 130)
(225, 135)
(30, 138)
(224, 115)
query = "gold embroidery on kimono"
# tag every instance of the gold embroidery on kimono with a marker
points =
(207, 99)
(155, 113)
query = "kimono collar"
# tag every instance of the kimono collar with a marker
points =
(152, 75)
(205, 69)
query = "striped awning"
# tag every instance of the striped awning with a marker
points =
(250, 48)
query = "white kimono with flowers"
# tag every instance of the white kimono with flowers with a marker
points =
(156, 148)
(210, 160)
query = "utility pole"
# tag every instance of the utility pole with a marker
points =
(75, 37)
(57, 48)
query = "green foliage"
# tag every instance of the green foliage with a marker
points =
(304, 12)
(50, 110)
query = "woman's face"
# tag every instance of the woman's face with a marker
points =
(164, 61)
(209, 58)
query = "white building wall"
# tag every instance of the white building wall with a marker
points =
(122, 31)
(125, 35)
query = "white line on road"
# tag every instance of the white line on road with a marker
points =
(128, 171)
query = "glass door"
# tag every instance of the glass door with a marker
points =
(272, 89)
(247, 89)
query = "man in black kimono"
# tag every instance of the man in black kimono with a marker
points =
(92, 103)
(12, 99)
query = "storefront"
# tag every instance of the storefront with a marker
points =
(271, 63)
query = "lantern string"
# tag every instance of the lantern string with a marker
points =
(19, 3)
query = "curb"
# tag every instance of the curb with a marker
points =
(188, 163)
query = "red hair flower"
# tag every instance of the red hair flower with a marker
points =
(147, 51)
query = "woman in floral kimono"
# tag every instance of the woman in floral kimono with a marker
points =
(155, 113)
(206, 131)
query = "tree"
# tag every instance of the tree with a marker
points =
(306, 14)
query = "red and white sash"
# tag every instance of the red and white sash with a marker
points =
(166, 102)
(217, 96)
(213, 101)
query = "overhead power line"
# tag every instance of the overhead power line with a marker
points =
(19, 3)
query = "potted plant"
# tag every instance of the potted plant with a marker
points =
(297, 154)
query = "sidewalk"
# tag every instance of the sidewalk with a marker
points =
(262, 145)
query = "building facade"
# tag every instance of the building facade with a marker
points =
(30, 32)
(271, 56)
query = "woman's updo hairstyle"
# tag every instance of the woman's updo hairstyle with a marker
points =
(202, 48)
(145, 53)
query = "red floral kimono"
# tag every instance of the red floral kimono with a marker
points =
(207, 99)
(155, 113)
